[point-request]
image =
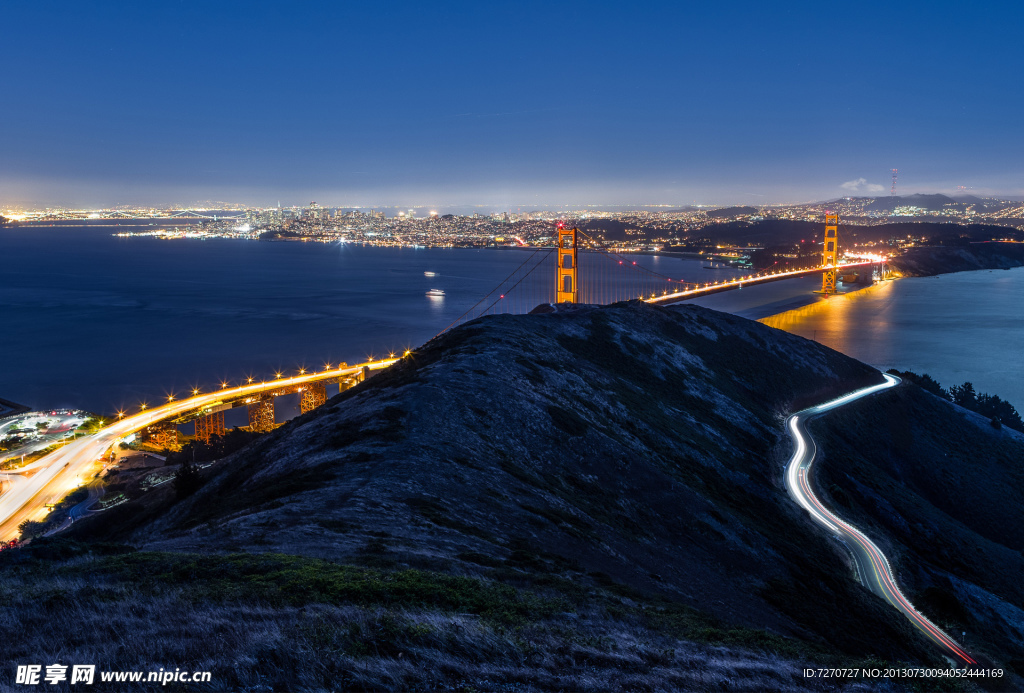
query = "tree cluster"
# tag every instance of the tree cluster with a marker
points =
(997, 410)
(187, 480)
(217, 448)
(31, 528)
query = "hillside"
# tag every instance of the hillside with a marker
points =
(770, 232)
(727, 212)
(942, 489)
(930, 260)
(584, 499)
(933, 202)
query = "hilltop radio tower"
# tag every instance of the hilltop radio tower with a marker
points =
(892, 191)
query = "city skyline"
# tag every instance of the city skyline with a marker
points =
(506, 106)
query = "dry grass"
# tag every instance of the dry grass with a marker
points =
(55, 616)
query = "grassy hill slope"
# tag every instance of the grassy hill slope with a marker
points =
(583, 499)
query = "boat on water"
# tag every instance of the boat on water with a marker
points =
(435, 292)
(430, 274)
(849, 277)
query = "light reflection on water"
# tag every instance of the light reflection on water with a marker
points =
(955, 327)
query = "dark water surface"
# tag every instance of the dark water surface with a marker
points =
(99, 322)
(93, 321)
(967, 326)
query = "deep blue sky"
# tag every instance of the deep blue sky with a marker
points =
(505, 104)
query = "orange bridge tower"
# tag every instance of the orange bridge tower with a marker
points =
(830, 254)
(567, 286)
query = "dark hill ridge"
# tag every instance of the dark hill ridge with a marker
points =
(585, 499)
(927, 201)
(770, 232)
(927, 261)
(727, 212)
(638, 442)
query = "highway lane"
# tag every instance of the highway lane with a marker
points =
(65, 469)
(872, 565)
(756, 278)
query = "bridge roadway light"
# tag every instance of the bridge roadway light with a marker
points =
(277, 374)
(195, 391)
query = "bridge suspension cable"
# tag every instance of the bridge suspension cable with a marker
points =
(601, 275)
(506, 288)
(643, 283)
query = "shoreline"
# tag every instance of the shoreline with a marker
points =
(930, 261)
(907, 326)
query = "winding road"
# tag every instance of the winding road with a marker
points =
(872, 565)
(65, 469)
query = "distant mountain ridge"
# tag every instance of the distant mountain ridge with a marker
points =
(932, 202)
(727, 212)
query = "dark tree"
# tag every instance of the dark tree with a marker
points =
(218, 447)
(187, 480)
(31, 528)
(924, 381)
(964, 395)
(998, 411)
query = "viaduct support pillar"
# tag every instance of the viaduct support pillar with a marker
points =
(261, 414)
(209, 426)
(313, 396)
(163, 435)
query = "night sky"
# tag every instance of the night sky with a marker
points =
(505, 104)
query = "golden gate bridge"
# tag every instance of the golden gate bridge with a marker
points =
(582, 269)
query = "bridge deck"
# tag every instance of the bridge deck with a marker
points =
(718, 287)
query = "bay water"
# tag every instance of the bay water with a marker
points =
(93, 321)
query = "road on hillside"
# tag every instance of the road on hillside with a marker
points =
(872, 566)
(64, 470)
